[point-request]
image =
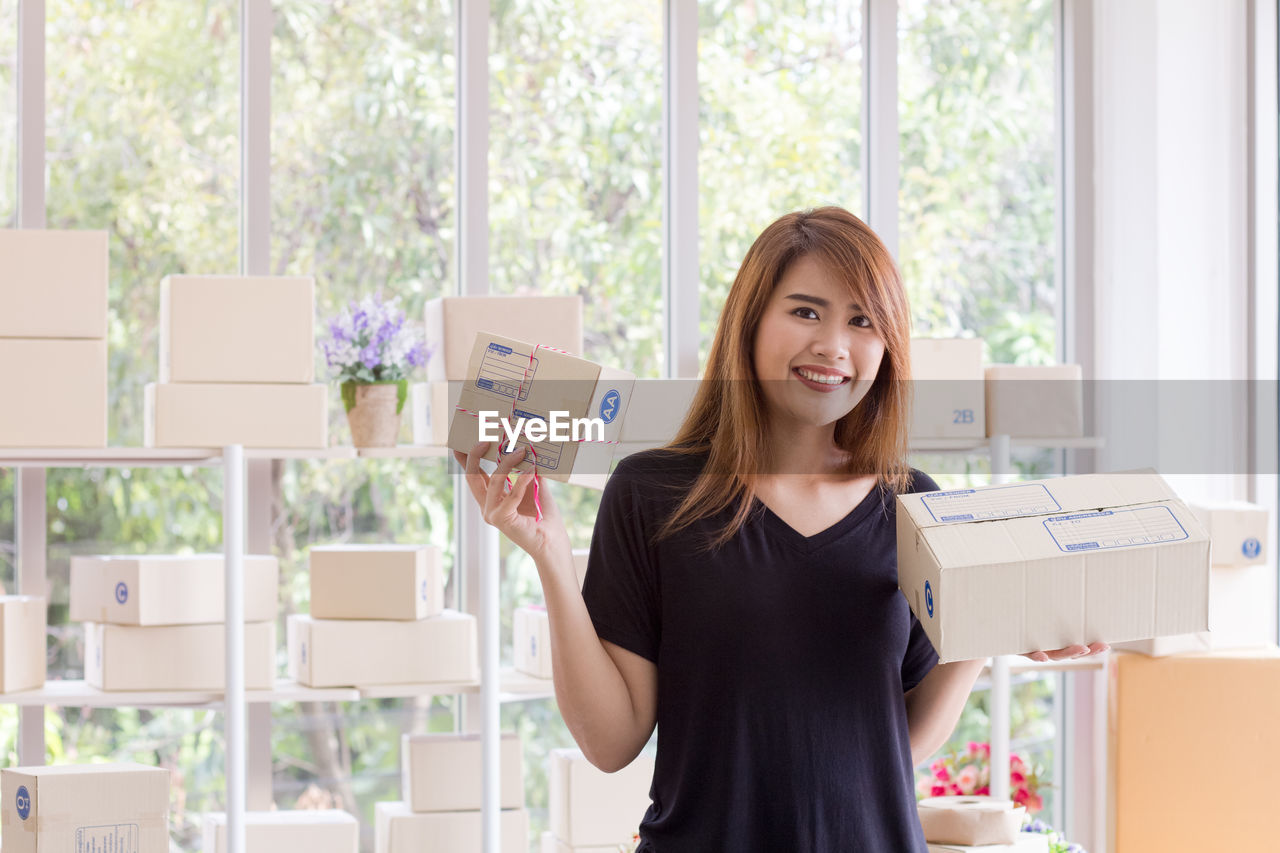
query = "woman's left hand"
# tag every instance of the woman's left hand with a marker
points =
(1069, 652)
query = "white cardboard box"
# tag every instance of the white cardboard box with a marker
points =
(237, 328)
(531, 638)
(397, 829)
(55, 393)
(1239, 616)
(433, 404)
(1035, 402)
(591, 807)
(1028, 842)
(53, 284)
(215, 415)
(947, 378)
(443, 772)
(22, 631)
(453, 322)
(174, 657)
(658, 409)
(304, 831)
(365, 652)
(87, 808)
(1237, 529)
(514, 380)
(1044, 564)
(551, 844)
(376, 582)
(156, 589)
(580, 564)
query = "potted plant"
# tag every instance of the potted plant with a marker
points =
(373, 350)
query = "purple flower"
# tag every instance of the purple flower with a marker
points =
(417, 356)
(336, 331)
(369, 355)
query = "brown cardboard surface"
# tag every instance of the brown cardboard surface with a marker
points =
(376, 582)
(443, 772)
(174, 657)
(591, 807)
(309, 831)
(53, 284)
(161, 589)
(257, 415)
(1035, 402)
(397, 829)
(365, 652)
(453, 322)
(55, 393)
(1238, 530)
(948, 395)
(22, 631)
(531, 641)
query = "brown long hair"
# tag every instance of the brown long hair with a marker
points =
(726, 420)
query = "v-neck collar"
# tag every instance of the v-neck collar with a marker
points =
(821, 539)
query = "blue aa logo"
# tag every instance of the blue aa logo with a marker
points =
(122, 592)
(23, 801)
(609, 405)
(1251, 547)
(928, 597)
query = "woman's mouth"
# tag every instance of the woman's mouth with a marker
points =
(819, 381)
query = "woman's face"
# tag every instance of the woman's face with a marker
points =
(815, 353)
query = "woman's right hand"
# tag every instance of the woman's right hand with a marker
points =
(514, 512)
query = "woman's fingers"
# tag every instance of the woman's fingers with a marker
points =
(477, 480)
(497, 490)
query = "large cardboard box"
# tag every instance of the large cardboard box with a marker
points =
(366, 652)
(531, 640)
(511, 379)
(397, 829)
(376, 582)
(53, 284)
(1238, 531)
(22, 631)
(304, 831)
(443, 772)
(215, 415)
(589, 806)
(1192, 750)
(433, 404)
(551, 844)
(86, 808)
(658, 409)
(947, 379)
(1044, 564)
(453, 322)
(237, 328)
(55, 393)
(156, 589)
(175, 657)
(1035, 402)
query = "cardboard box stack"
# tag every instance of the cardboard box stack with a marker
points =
(441, 778)
(91, 807)
(531, 629)
(22, 642)
(312, 831)
(947, 388)
(53, 338)
(1035, 402)
(378, 617)
(592, 809)
(157, 622)
(237, 356)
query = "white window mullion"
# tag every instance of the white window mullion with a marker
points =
(880, 119)
(255, 137)
(680, 274)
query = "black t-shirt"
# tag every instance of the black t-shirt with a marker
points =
(782, 663)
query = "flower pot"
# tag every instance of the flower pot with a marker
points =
(373, 411)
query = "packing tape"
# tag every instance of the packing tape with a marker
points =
(970, 821)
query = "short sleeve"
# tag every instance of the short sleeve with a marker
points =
(920, 657)
(621, 587)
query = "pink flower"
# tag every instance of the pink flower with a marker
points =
(1015, 763)
(941, 774)
(955, 789)
(1020, 796)
(1017, 778)
(938, 791)
(968, 779)
(984, 791)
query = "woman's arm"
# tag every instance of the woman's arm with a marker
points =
(934, 705)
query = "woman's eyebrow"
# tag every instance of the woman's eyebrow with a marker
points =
(819, 301)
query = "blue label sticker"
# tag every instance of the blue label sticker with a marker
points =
(304, 652)
(533, 646)
(1251, 548)
(609, 405)
(122, 592)
(24, 802)
(424, 590)
(928, 597)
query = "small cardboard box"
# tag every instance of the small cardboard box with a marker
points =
(444, 772)
(366, 652)
(237, 328)
(55, 393)
(532, 640)
(514, 380)
(85, 807)
(453, 323)
(1192, 748)
(1035, 402)
(589, 806)
(551, 844)
(22, 631)
(1044, 564)
(53, 284)
(948, 398)
(376, 582)
(658, 409)
(155, 589)
(397, 829)
(1238, 531)
(305, 831)
(433, 404)
(175, 657)
(215, 415)
(580, 564)
(1028, 842)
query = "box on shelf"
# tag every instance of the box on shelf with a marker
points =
(453, 322)
(1035, 402)
(591, 807)
(443, 772)
(22, 631)
(531, 639)
(1178, 729)
(658, 409)
(311, 830)
(175, 657)
(580, 564)
(376, 582)
(85, 807)
(53, 284)
(363, 652)
(55, 392)
(948, 395)
(551, 844)
(157, 589)
(1239, 615)
(1043, 564)
(509, 379)
(433, 404)
(1237, 529)
(256, 416)
(1028, 842)
(237, 328)
(397, 829)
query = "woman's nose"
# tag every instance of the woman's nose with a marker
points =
(831, 343)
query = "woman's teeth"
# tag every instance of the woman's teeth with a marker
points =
(820, 377)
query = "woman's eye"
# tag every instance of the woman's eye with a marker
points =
(805, 308)
(861, 321)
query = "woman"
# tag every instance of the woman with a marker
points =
(741, 587)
